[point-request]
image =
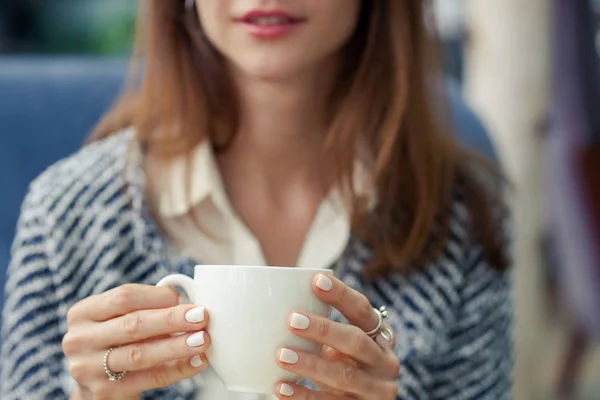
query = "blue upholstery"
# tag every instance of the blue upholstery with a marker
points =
(48, 106)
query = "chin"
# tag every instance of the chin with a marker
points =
(271, 74)
(281, 69)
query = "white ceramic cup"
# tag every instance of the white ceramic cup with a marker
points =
(248, 308)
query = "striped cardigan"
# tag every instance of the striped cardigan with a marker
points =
(84, 229)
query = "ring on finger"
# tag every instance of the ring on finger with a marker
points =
(383, 334)
(112, 376)
(381, 316)
(386, 337)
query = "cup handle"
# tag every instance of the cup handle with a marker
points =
(182, 281)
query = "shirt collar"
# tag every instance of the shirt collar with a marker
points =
(179, 192)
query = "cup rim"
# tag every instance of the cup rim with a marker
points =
(265, 267)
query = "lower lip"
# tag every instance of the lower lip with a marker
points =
(270, 31)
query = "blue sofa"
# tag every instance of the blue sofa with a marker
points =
(48, 107)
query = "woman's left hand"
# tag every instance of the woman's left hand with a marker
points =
(351, 364)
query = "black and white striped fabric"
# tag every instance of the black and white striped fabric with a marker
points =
(84, 229)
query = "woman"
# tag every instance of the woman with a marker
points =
(298, 133)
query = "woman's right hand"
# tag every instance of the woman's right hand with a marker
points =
(138, 321)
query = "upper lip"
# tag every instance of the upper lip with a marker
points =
(249, 16)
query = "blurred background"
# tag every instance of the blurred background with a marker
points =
(529, 70)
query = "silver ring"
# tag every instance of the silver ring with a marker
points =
(112, 377)
(382, 314)
(386, 334)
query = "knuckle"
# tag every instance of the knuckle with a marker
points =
(348, 376)
(171, 318)
(181, 369)
(361, 342)
(323, 328)
(77, 370)
(71, 344)
(66, 344)
(72, 315)
(132, 325)
(122, 296)
(137, 357)
(160, 378)
(395, 366)
(80, 310)
(389, 391)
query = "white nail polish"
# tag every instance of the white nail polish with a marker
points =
(324, 283)
(195, 315)
(299, 321)
(288, 356)
(197, 339)
(196, 362)
(286, 390)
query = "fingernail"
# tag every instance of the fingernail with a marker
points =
(324, 283)
(196, 362)
(197, 339)
(286, 390)
(299, 321)
(288, 356)
(195, 315)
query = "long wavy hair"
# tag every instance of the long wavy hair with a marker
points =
(388, 97)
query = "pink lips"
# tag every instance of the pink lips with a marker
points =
(269, 24)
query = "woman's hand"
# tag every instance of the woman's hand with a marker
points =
(351, 365)
(139, 322)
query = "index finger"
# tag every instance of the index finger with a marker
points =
(123, 300)
(353, 305)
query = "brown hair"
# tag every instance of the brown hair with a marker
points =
(387, 96)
